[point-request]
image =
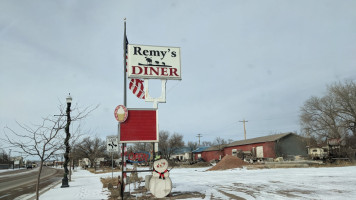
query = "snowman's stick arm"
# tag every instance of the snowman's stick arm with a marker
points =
(171, 168)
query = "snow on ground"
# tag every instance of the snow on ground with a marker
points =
(19, 173)
(9, 170)
(286, 183)
(84, 185)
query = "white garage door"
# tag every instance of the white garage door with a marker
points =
(259, 152)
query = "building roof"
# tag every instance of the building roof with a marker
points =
(216, 147)
(199, 149)
(269, 138)
(181, 150)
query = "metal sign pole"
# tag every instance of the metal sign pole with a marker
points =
(112, 166)
(125, 104)
(153, 153)
(122, 171)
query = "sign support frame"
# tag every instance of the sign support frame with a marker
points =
(161, 99)
(148, 98)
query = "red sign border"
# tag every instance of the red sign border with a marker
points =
(157, 130)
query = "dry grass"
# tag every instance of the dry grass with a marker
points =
(339, 163)
(102, 170)
(115, 191)
(108, 180)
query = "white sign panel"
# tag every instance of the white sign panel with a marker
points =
(153, 62)
(112, 144)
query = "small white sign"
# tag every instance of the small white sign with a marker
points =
(153, 62)
(112, 144)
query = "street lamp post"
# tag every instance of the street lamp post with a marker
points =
(66, 143)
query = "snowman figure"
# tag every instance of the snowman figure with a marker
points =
(160, 183)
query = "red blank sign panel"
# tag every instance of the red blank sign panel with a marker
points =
(140, 126)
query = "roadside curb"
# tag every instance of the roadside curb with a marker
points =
(33, 195)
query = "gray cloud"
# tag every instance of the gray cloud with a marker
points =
(240, 59)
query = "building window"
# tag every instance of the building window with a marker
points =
(234, 152)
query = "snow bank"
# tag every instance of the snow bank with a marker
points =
(84, 185)
(287, 183)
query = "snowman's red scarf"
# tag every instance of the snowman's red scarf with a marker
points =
(161, 175)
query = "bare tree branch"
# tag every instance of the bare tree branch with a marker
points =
(333, 115)
(42, 140)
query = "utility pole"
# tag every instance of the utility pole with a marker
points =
(244, 127)
(308, 136)
(199, 136)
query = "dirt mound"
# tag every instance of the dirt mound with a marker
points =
(228, 162)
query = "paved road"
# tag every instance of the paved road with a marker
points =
(13, 185)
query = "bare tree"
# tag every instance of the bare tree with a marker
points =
(74, 158)
(142, 146)
(331, 116)
(220, 143)
(192, 146)
(91, 149)
(344, 96)
(4, 157)
(175, 142)
(163, 144)
(169, 143)
(206, 144)
(42, 140)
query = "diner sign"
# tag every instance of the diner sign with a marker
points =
(153, 62)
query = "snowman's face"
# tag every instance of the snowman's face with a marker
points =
(161, 165)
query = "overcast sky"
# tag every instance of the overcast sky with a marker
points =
(253, 60)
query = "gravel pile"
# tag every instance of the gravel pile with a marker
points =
(228, 162)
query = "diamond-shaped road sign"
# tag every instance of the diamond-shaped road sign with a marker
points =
(112, 144)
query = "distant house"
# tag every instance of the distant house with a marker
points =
(213, 153)
(98, 160)
(198, 152)
(48, 163)
(18, 161)
(271, 146)
(58, 163)
(181, 154)
(84, 162)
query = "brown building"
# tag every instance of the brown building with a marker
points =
(271, 146)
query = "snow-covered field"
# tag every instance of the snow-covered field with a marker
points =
(287, 183)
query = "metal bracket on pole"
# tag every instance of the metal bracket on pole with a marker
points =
(161, 99)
